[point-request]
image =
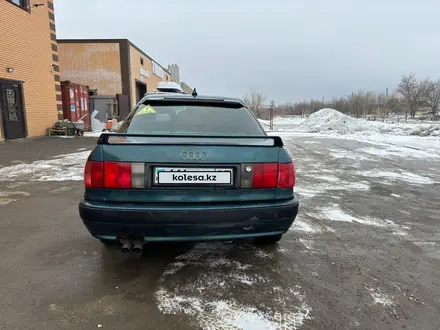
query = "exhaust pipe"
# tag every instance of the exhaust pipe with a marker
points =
(138, 245)
(126, 245)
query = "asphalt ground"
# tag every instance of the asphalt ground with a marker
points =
(363, 253)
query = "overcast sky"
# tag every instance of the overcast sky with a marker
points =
(289, 50)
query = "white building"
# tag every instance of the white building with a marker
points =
(175, 72)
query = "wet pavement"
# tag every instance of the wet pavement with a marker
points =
(364, 252)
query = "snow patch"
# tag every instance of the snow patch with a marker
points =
(328, 178)
(305, 193)
(229, 315)
(309, 244)
(8, 197)
(289, 120)
(380, 298)
(398, 151)
(263, 254)
(283, 121)
(63, 167)
(204, 293)
(421, 243)
(304, 226)
(347, 154)
(335, 213)
(401, 176)
(321, 189)
(353, 186)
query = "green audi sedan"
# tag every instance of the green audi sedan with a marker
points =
(186, 167)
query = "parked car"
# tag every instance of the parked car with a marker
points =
(188, 168)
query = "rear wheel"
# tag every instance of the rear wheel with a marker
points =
(268, 240)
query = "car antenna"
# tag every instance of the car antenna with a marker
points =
(194, 93)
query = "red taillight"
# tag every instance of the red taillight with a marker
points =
(286, 175)
(273, 175)
(93, 174)
(117, 175)
(265, 175)
(107, 175)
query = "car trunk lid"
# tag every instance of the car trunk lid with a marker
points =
(188, 169)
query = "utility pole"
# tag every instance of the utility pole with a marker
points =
(272, 106)
(386, 102)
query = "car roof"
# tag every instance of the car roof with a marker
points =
(181, 96)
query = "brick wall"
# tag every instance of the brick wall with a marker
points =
(26, 45)
(151, 80)
(96, 65)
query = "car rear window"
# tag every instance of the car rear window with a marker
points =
(180, 118)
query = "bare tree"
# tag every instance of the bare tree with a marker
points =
(433, 97)
(382, 105)
(410, 96)
(357, 103)
(371, 104)
(415, 92)
(395, 106)
(255, 101)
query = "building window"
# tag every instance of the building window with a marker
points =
(166, 78)
(142, 61)
(157, 70)
(20, 3)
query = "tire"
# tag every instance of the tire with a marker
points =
(268, 240)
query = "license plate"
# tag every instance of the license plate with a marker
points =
(193, 176)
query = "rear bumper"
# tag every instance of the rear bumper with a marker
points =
(186, 222)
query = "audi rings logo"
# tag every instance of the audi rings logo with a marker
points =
(190, 155)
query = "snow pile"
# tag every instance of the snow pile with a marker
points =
(64, 167)
(418, 129)
(332, 121)
(425, 130)
(327, 120)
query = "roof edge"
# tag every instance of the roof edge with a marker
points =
(100, 41)
(146, 55)
(103, 41)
